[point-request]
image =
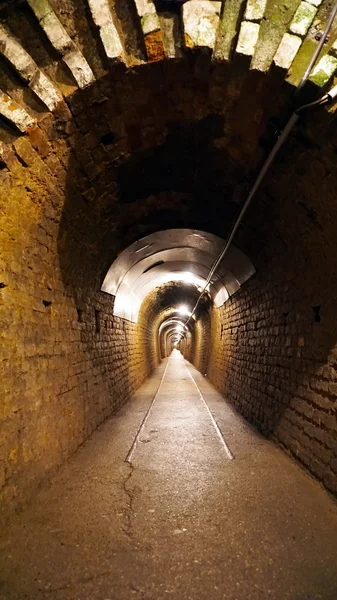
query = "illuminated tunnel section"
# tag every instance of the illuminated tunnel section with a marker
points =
(162, 324)
(157, 281)
(173, 331)
(183, 255)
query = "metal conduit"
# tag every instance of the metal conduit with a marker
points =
(326, 99)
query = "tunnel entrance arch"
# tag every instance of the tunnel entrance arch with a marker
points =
(173, 255)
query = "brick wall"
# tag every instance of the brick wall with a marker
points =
(66, 362)
(273, 351)
(197, 349)
(66, 369)
(272, 359)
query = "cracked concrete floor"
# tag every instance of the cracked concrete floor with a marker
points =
(182, 521)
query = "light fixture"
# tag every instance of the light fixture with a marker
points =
(184, 310)
(189, 277)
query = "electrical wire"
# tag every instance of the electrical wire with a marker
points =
(320, 102)
(326, 99)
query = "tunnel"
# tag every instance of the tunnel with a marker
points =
(168, 299)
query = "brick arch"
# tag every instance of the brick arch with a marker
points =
(173, 255)
(50, 53)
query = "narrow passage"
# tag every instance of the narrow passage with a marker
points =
(205, 508)
(178, 381)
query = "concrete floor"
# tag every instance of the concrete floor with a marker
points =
(184, 520)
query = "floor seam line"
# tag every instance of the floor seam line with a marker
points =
(214, 423)
(129, 455)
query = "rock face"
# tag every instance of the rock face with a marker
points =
(123, 118)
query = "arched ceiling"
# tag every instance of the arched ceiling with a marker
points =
(174, 328)
(174, 333)
(50, 49)
(173, 255)
(173, 322)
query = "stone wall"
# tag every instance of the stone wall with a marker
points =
(66, 367)
(274, 344)
(197, 351)
(147, 331)
(66, 362)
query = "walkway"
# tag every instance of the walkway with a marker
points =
(184, 520)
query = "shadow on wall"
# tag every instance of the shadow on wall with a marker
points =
(274, 344)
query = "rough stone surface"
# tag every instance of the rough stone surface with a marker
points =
(278, 16)
(255, 10)
(287, 50)
(201, 19)
(324, 70)
(28, 70)
(15, 113)
(283, 323)
(303, 18)
(248, 37)
(102, 17)
(62, 42)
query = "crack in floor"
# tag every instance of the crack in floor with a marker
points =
(127, 525)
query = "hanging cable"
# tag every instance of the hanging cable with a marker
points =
(326, 99)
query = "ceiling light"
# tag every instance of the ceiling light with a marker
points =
(184, 310)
